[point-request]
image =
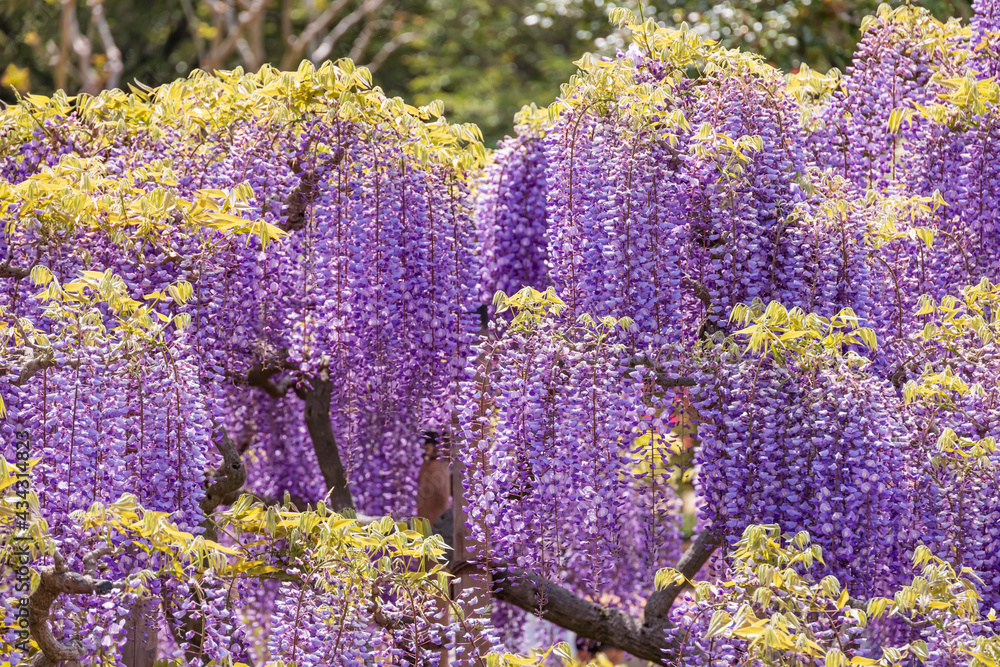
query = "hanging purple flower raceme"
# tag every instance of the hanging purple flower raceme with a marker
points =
(986, 35)
(279, 453)
(647, 216)
(902, 122)
(510, 217)
(383, 267)
(952, 461)
(96, 443)
(371, 291)
(780, 445)
(98, 439)
(672, 227)
(614, 239)
(552, 482)
(888, 73)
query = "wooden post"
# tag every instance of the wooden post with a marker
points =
(141, 639)
(434, 481)
(470, 574)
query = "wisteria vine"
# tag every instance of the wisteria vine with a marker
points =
(694, 306)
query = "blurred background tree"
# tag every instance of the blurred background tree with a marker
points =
(484, 58)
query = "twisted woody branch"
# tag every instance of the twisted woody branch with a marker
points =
(642, 637)
(55, 580)
(225, 479)
(15, 272)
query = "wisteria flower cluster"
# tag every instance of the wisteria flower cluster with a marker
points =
(684, 181)
(275, 257)
(692, 295)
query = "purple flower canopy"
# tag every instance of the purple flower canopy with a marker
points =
(664, 188)
(670, 199)
(369, 293)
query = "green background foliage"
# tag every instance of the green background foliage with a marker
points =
(485, 59)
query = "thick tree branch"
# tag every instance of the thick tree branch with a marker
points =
(15, 272)
(644, 638)
(588, 619)
(42, 360)
(33, 366)
(301, 196)
(298, 504)
(708, 325)
(225, 479)
(670, 383)
(316, 394)
(663, 379)
(701, 293)
(56, 580)
(317, 398)
(659, 603)
(259, 376)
